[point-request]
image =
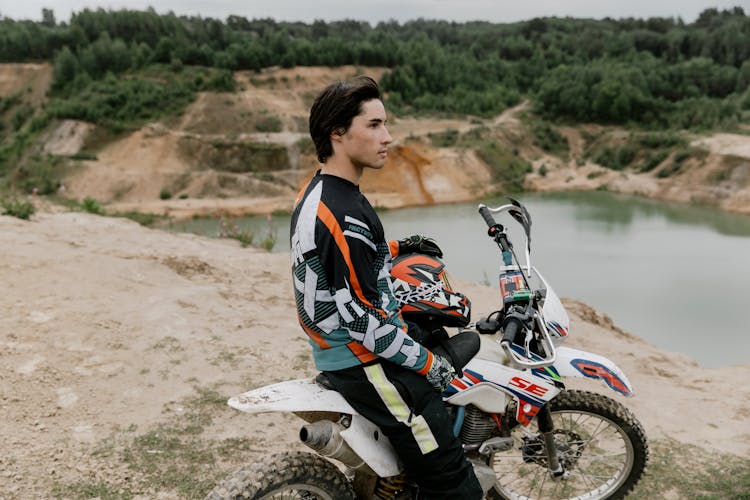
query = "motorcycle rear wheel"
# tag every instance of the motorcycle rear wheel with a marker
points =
(286, 476)
(600, 443)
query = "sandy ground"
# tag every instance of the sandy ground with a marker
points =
(107, 326)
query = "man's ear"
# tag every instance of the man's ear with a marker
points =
(338, 134)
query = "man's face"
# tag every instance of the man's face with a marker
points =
(366, 141)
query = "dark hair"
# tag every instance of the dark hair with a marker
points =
(334, 109)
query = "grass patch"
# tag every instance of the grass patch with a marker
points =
(643, 151)
(679, 160)
(444, 139)
(90, 489)
(268, 123)
(173, 456)
(126, 102)
(230, 229)
(549, 139)
(38, 174)
(659, 140)
(652, 159)
(678, 470)
(17, 208)
(268, 242)
(616, 158)
(92, 206)
(505, 166)
(238, 157)
(144, 219)
(305, 146)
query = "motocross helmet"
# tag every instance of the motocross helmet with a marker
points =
(422, 290)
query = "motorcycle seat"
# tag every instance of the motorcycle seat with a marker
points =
(322, 380)
(459, 349)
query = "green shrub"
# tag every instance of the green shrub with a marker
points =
(122, 104)
(681, 156)
(165, 194)
(444, 139)
(549, 139)
(269, 241)
(91, 206)
(305, 146)
(616, 158)
(8, 102)
(505, 167)
(656, 140)
(653, 159)
(220, 81)
(144, 219)
(38, 174)
(18, 208)
(269, 123)
(230, 229)
(626, 155)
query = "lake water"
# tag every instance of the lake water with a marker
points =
(675, 275)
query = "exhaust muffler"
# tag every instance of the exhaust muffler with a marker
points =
(325, 438)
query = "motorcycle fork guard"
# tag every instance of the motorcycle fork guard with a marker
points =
(547, 427)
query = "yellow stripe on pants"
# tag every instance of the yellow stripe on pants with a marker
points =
(398, 408)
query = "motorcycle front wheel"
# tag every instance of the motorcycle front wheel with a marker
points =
(600, 443)
(286, 476)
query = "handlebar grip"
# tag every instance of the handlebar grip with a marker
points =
(510, 329)
(487, 216)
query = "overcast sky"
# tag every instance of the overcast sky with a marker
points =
(374, 11)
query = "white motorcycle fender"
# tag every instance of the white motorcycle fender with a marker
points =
(362, 436)
(576, 363)
(291, 396)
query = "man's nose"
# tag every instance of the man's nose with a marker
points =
(387, 139)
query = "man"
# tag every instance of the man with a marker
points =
(341, 263)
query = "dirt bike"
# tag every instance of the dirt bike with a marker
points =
(510, 368)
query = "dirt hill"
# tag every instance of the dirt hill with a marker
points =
(121, 344)
(249, 152)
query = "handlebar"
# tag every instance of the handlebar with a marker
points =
(486, 213)
(487, 216)
(515, 323)
(511, 328)
(523, 361)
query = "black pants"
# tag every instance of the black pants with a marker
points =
(411, 413)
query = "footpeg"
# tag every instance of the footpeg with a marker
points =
(496, 445)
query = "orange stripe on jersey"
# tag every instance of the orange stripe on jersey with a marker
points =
(361, 352)
(427, 365)
(316, 337)
(302, 192)
(325, 215)
(393, 247)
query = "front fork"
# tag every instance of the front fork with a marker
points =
(546, 427)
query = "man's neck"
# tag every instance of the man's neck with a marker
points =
(345, 170)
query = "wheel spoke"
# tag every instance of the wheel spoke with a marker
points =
(594, 449)
(541, 487)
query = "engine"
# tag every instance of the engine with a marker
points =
(478, 426)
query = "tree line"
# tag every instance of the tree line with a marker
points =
(656, 72)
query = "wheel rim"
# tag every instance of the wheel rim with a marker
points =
(298, 491)
(596, 452)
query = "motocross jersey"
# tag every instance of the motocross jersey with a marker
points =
(342, 285)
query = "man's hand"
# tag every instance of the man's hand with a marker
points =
(441, 373)
(419, 244)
